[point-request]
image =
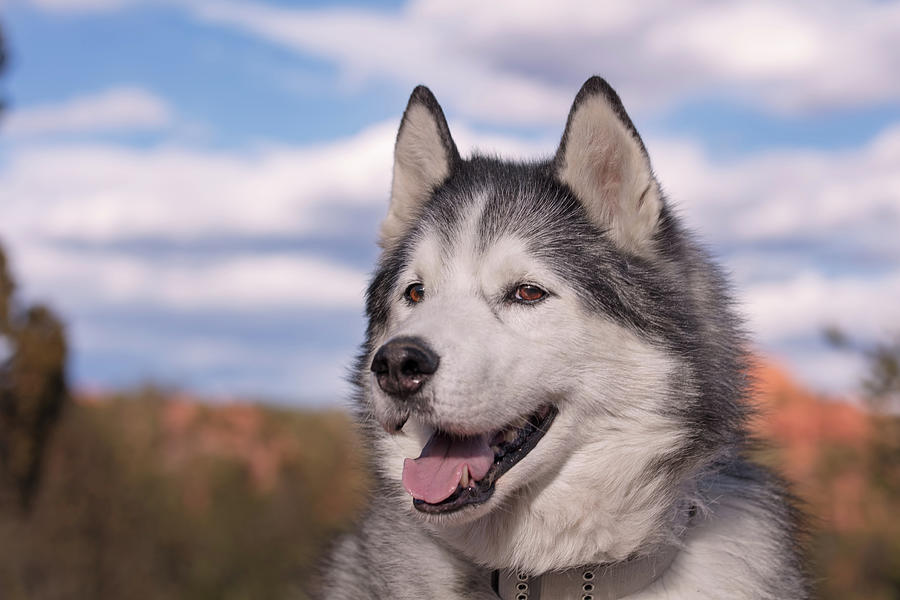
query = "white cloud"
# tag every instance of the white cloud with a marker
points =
(111, 192)
(807, 303)
(81, 6)
(249, 283)
(515, 61)
(105, 193)
(117, 109)
(849, 197)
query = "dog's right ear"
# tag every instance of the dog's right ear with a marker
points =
(424, 156)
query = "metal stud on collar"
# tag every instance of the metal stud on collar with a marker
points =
(587, 587)
(522, 586)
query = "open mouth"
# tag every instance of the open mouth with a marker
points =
(453, 472)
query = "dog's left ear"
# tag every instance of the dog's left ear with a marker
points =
(602, 159)
(424, 155)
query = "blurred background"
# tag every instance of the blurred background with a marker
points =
(189, 196)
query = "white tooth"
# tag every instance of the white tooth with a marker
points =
(510, 435)
(464, 482)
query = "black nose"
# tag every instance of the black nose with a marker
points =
(403, 365)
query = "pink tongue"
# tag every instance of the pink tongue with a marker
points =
(434, 476)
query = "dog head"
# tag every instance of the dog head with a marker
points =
(547, 354)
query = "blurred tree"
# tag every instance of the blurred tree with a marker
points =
(881, 394)
(881, 383)
(882, 391)
(146, 496)
(32, 388)
(32, 381)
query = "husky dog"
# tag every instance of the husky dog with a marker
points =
(553, 385)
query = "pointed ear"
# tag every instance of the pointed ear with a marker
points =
(424, 155)
(602, 159)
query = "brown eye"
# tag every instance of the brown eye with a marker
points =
(529, 293)
(415, 293)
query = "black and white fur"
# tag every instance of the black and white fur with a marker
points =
(636, 345)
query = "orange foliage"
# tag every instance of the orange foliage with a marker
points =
(233, 431)
(807, 429)
(838, 457)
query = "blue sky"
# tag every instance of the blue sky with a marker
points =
(196, 185)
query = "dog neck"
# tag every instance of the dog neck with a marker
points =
(606, 581)
(594, 582)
